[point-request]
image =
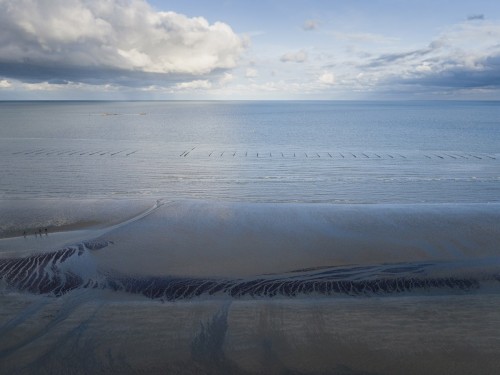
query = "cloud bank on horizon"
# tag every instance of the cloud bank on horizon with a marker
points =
(132, 49)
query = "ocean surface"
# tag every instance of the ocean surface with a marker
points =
(307, 237)
(332, 152)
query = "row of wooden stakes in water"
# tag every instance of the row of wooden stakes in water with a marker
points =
(73, 152)
(340, 155)
(290, 154)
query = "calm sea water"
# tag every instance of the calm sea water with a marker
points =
(341, 152)
(220, 284)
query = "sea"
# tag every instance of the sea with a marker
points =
(325, 151)
(249, 237)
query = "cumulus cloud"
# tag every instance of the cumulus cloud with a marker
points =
(363, 38)
(4, 84)
(251, 73)
(297, 57)
(465, 56)
(327, 78)
(310, 25)
(226, 79)
(199, 84)
(485, 74)
(47, 86)
(125, 41)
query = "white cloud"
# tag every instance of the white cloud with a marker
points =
(298, 57)
(118, 46)
(423, 68)
(4, 84)
(225, 79)
(152, 88)
(200, 84)
(310, 25)
(279, 86)
(463, 58)
(42, 86)
(364, 38)
(251, 73)
(114, 34)
(327, 78)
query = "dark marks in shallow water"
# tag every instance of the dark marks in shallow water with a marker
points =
(208, 345)
(359, 156)
(96, 245)
(172, 289)
(59, 272)
(49, 273)
(41, 273)
(42, 153)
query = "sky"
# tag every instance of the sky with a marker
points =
(257, 50)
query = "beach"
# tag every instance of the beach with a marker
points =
(264, 250)
(223, 287)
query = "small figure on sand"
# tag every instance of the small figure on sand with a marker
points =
(40, 232)
(24, 234)
(46, 232)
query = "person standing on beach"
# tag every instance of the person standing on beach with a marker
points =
(46, 232)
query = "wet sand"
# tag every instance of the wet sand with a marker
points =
(67, 221)
(58, 215)
(99, 324)
(99, 333)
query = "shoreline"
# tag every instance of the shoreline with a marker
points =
(65, 235)
(65, 215)
(190, 231)
(77, 214)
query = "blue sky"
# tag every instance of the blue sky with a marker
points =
(263, 49)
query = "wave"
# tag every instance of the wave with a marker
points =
(59, 272)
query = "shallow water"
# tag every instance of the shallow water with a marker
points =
(192, 287)
(417, 335)
(334, 152)
(250, 237)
